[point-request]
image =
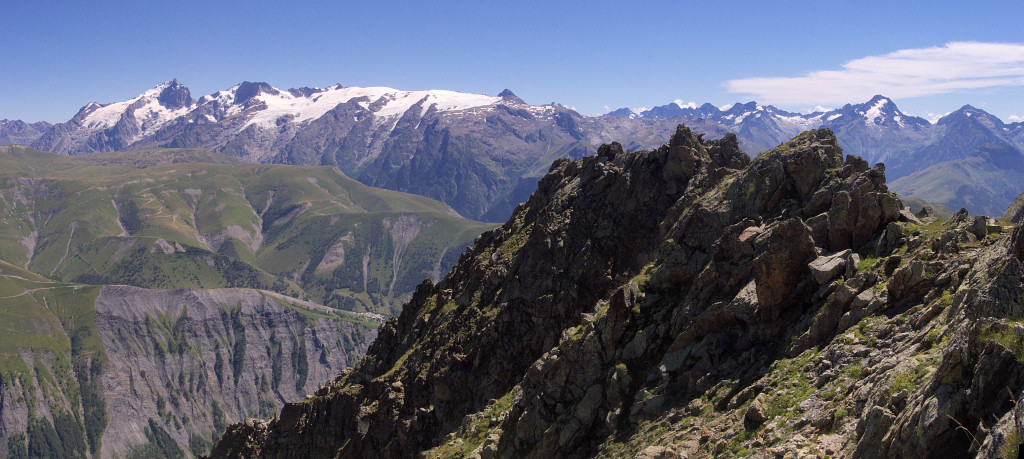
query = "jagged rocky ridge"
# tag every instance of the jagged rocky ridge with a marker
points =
(688, 300)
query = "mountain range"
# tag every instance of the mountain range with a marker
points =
(948, 162)
(482, 155)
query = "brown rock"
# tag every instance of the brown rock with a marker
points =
(657, 452)
(780, 268)
(756, 411)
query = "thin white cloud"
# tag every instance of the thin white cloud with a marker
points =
(901, 74)
(1015, 118)
(935, 117)
(683, 104)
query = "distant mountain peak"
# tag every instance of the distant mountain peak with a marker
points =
(510, 96)
(975, 114)
(247, 90)
(878, 111)
(878, 98)
(175, 95)
(622, 112)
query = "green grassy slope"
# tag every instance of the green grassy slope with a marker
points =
(985, 183)
(153, 219)
(50, 354)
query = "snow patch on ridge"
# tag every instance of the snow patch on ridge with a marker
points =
(875, 111)
(395, 103)
(149, 117)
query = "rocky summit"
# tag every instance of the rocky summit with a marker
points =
(691, 302)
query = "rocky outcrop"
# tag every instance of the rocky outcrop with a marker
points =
(175, 95)
(785, 308)
(629, 283)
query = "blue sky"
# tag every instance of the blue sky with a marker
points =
(58, 56)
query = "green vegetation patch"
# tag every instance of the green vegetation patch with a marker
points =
(475, 430)
(792, 386)
(1008, 336)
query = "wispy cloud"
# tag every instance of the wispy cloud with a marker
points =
(1015, 118)
(901, 74)
(683, 104)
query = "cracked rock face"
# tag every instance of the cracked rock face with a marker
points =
(689, 301)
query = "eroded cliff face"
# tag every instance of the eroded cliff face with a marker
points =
(167, 370)
(688, 300)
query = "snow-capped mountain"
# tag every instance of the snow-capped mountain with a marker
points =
(880, 112)
(968, 158)
(875, 130)
(481, 154)
(140, 120)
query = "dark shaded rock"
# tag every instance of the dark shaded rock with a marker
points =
(959, 217)
(175, 96)
(726, 152)
(609, 152)
(859, 208)
(248, 90)
(926, 212)
(626, 288)
(1017, 242)
(780, 269)
(891, 239)
(510, 96)
(891, 264)
(978, 226)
